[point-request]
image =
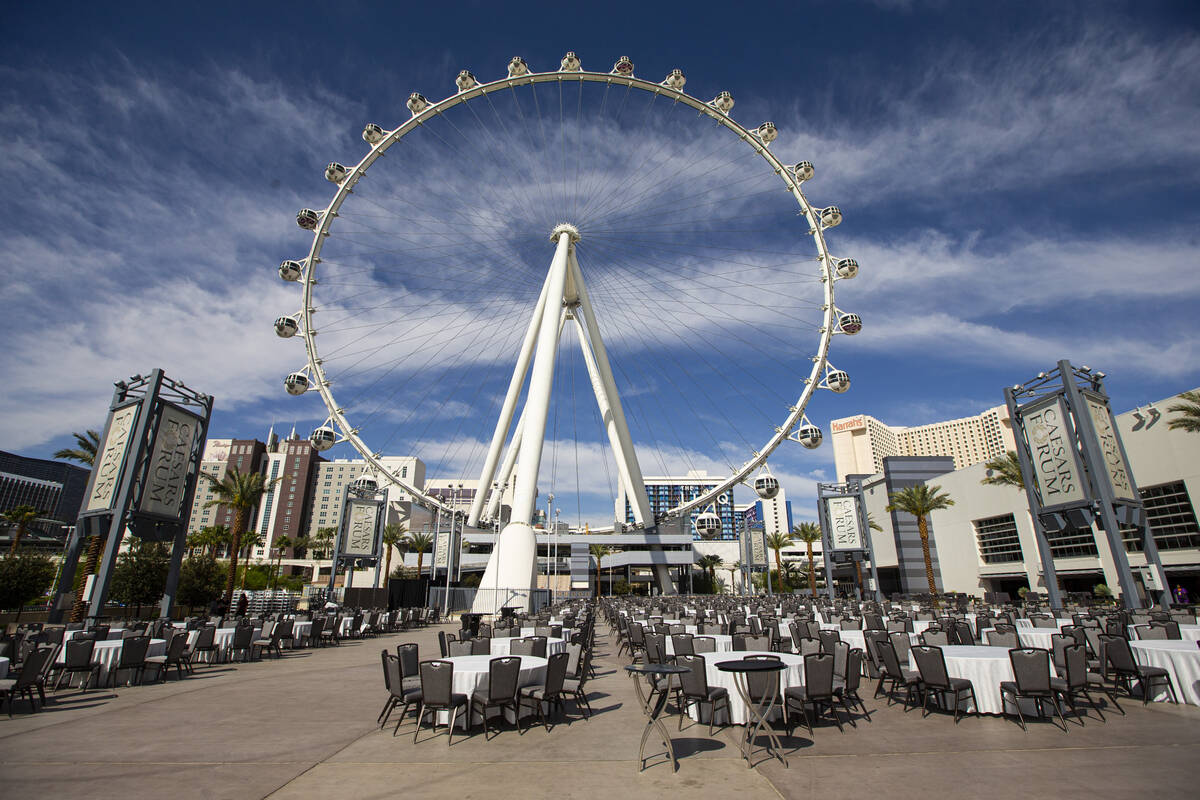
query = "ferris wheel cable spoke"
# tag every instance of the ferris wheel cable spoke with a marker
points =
(432, 308)
(736, 362)
(649, 177)
(654, 243)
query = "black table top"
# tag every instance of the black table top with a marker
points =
(750, 665)
(657, 669)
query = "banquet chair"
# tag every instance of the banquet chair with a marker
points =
(742, 642)
(573, 684)
(1169, 627)
(174, 657)
(481, 646)
(846, 688)
(1074, 682)
(841, 657)
(932, 638)
(828, 638)
(682, 644)
(850, 624)
(101, 632)
(897, 675)
(1000, 638)
(437, 694)
(871, 638)
(504, 675)
(897, 625)
(521, 647)
(901, 643)
(936, 680)
(268, 640)
(1031, 679)
(542, 630)
(205, 643)
(1126, 670)
(284, 633)
(460, 648)
(539, 646)
(549, 692)
(410, 665)
(29, 679)
(966, 636)
(817, 691)
(703, 644)
(132, 658)
(1148, 632)
(78, 659)
(1044, 621)
(239, 642)
(444, 640)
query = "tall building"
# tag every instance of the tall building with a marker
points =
(220, 456)
(332, 477)
(666, 493)
(55, 489)
(860, 443)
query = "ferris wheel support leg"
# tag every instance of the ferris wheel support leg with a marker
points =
(510, 574)
(487, 475)
(627, 463)
(504, 476)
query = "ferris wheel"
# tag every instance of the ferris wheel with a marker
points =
(686, 265)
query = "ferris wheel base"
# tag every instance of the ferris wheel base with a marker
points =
(510, 577)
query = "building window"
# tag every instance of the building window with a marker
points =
(1072, 543)
(1171, 516)
(998, 539)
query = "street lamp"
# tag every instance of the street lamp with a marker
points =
(549, 504)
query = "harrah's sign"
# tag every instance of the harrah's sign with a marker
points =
(851, 424)
(1052, 451)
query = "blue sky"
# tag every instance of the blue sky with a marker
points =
(1019, 182)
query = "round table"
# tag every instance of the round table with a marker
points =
(108, 654)
(1180, 658)
(985, 667)
(471, 673)
(501, 645)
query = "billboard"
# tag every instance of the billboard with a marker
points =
(1109, 448)
(106, 474)
(165, 489)
(362, 523)
(845, 531)
(1058, 473)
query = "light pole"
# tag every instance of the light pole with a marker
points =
(554, 595)
(549, 504)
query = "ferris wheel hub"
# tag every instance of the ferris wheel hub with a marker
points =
(567, 228)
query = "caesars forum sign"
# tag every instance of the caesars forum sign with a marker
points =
(844, 530)
(1056, 465)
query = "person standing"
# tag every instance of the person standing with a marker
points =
(242, 604)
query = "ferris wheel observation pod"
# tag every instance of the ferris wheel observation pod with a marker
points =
(810, 436)
(296, 384)
(708, 524)
(286, 327)
(323, 438)
(766, 486)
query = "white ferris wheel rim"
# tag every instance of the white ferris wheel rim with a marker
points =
(351, 434)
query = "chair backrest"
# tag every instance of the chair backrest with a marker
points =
(1076, 633)
(242, 636)
(681, 643)
(873, 621)
(206, 637)
(1149, 632)
(1170, 628)
(761, 685)
(760, 641)
(481, 646)
(1074, 667)
(444, 643)
(854, 668)
(1118, 653)
(933, 638)
(694, 682)
(711, 628)
(1058, 646)
(828, 638)
(437, 682)
(284, 629)
(656, 648)
(897, 625)
(931, 663)
(521, 647)
(999, 638)
(556, 674)
(872, 639)
(542, 630)
(504, 675)
(575, 651)
(1045, 621)
(410, 659)
(79, 652)
(1031, 669)
(963, 631)
(101, 632)
(35, 665)
(818, 675)
(841, 653)
(704, 644)
(901, 644)
(460, 648)
(1092, 636)
(176, 647)
(850, 624)
(391, 670)
(133, 651)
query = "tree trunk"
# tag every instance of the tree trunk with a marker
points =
(862, 590)
(923, 527)
(778, 572)
(12, 551)
(387, 565)
(812, 572)
(420, 561)
(89, 568)
(239, 525)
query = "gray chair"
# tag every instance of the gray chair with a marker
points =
(1074, 683)
(240, 642)
(704, 644)
(892, 672)
(1127, 670)
(504, 675)
(935, 680)
(437, 694)
(573, 685)
(521, 647)
(78, 659)
(29, 680)
(176, 650)
(481, 646)
(682, 644)
(817, 692)
(932, 638)
(1004, 638)
(550, 692)
(460, 648)
(847, 687)
(1031, 679)
(131, 659)
(828, 638)
(205, 643)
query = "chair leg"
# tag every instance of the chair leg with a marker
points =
(1058, 708)
(420, 716)
(450, 730)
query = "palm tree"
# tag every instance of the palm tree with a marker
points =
(420, 543)
(921, 501)
(209, 538)
(281, 543)
(240, 491)
(808, 532)
(777, 541)
(1004, 470)
(598, 552)
(709, 564)
(393, 536)
(85, 451)
(323, 541)
(1189, 410)
(20, 516)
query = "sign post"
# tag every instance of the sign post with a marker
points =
(845, 531)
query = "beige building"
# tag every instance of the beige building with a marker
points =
(860, 443)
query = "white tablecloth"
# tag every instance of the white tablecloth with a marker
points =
(471, 673)
(723, 643)
(1024, 624)
(223, 638)
(108, 654)
(301, 630)
(113, 634)
(566, 632)
(791, 675)
(1190, 633)
(501, 645)
(985, 667)
(1181, 658)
